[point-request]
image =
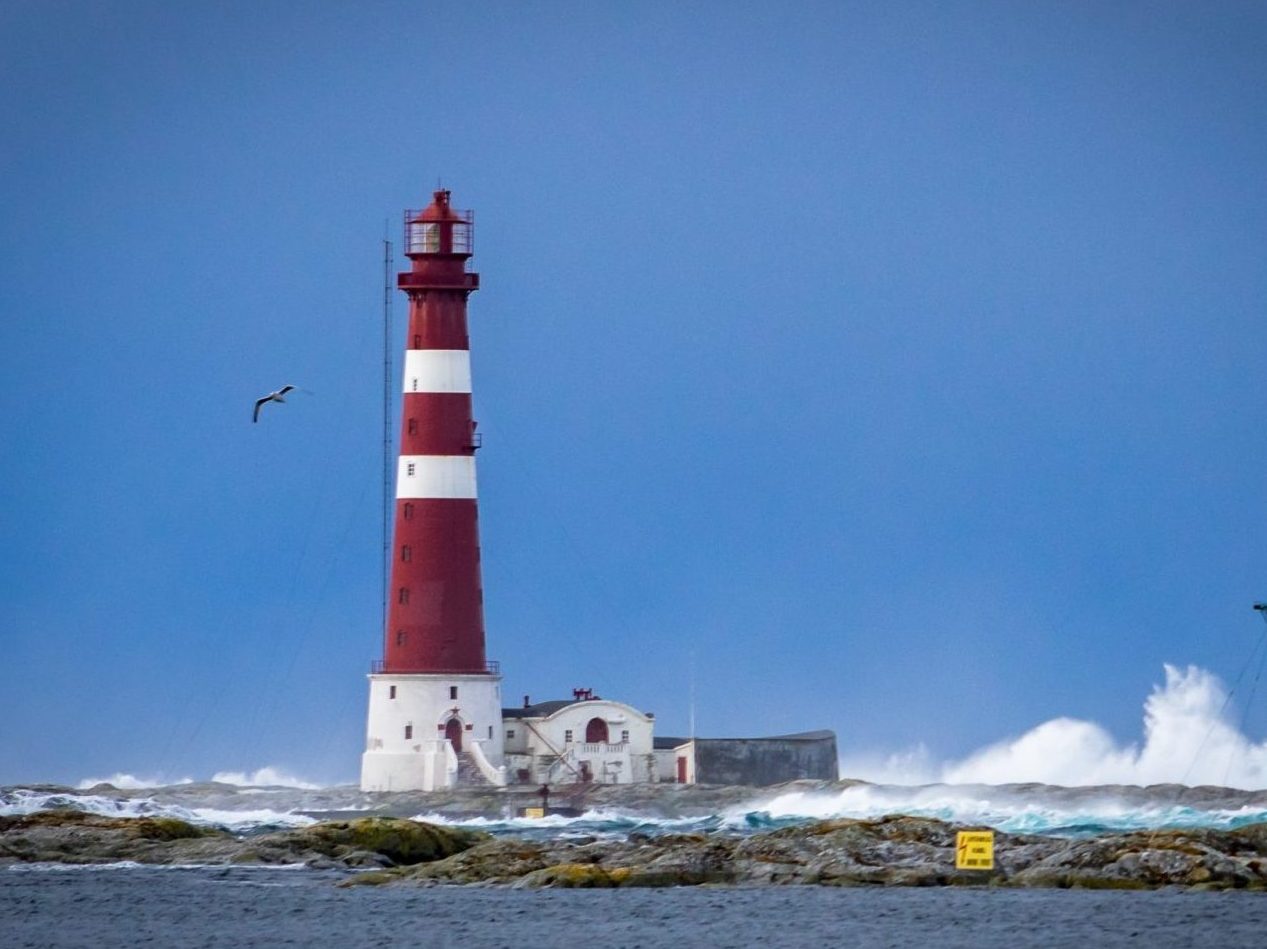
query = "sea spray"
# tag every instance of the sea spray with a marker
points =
(1014, 808)
(19, 801)
(1189, 737)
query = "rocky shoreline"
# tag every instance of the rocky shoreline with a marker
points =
(891, 851)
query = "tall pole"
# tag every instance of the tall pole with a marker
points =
(387, 421)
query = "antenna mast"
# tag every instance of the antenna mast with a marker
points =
(692, 711)
(387, 416)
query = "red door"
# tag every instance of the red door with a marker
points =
(596, 732)
(681, 771)
(453, 732)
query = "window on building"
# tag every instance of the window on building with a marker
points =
(624, 736)
(417, 341)
(409, 732)
(490, 731)
(567, 737)
(406, 554)
(409, 511)
(391, 692)
(413, 426)
(400, 637)
(453, 691)
(510, 733)
(410, 467)
(403, 595)
(414, 383)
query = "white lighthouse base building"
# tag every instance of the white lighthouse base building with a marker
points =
(428, 732)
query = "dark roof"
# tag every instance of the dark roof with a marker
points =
(665, 743)
(540, 710)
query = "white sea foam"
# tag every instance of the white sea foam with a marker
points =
(268, 776)
(602, 821)
(18, 801)
(260, 780)
(1188, 738)
(130, 782)
(134, 865)
(1033, 812)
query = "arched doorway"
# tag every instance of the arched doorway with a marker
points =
(596, 732)
(453, 732)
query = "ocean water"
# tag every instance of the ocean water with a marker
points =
(125, 906)
(1016, 809)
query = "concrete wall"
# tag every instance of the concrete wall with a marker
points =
(762, 761)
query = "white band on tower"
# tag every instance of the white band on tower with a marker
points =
(436, 476)
(437, 370)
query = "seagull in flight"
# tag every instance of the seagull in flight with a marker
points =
(278, 396)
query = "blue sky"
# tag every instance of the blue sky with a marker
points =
(897, 367)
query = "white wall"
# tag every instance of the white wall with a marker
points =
(560, 738)
(392, 762)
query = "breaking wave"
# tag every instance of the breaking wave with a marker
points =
(19, 801)
(1034, 811)
(1188, 738)
(267, 777)
(130, 782)
(1016, 810)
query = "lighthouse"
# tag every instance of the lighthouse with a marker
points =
(435, 715)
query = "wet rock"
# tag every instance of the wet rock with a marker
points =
(891, 851)
(357, 842)
(77, 837)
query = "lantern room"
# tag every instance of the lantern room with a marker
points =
(440, 229)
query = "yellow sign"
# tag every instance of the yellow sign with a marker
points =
(974, 850)
(534, 812)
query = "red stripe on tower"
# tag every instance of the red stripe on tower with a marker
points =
(436, 618)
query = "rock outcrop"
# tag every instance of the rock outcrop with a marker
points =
(76, 837)
(892, 851)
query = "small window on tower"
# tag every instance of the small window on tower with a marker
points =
(409, 468)
(403, 595)
(413, 426)
(453, 692)
(406, 554)
(510, 733)
(624, 736)
(409, 512)
(414, 383)
(417, 341)
(567, 737)
(409, 732)
(400, 638)
(391, 692)
(490, 732)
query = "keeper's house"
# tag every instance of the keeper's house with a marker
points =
(585, 739)
(590, 739)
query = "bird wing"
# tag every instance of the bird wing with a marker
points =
(284, 389)
(258, 403)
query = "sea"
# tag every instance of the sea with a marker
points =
(127, 904)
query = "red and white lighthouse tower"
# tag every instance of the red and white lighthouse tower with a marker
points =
(435, 700)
